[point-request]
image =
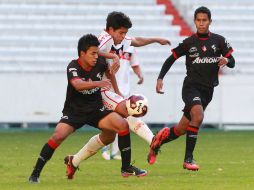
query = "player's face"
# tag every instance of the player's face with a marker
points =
(118, 35)
(202, 23)
(90, 56)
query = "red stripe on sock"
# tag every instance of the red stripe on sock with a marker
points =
(193, 129)
(52, 144)
(123, 133)
(176, 132)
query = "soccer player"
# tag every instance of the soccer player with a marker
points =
(113, 41)
(128, 60)
(83, 105)
(206, 53)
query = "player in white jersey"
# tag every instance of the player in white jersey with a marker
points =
(128, 60)
(113, 42)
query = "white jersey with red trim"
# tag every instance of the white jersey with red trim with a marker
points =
(127, 56)
(127, 60)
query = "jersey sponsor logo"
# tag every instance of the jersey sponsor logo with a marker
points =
(193, 49)
(90, 91)
(196, 99)
(194, 55)
(206, 60)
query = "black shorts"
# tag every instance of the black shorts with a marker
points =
(77, 121)
(195, 94)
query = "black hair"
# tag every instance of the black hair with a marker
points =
(117, 20)
(204, 10)
(86, 41)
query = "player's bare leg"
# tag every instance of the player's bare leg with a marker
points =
(62, 131)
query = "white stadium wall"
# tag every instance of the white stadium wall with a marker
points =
(39, 97)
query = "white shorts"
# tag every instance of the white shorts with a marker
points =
(110, 99)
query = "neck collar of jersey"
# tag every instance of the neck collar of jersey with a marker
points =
(80, 63)
(203, 36)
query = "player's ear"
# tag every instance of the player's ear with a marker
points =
(211, 21)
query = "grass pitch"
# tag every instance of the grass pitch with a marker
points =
(226, 160)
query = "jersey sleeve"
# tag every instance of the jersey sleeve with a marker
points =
(226, 49)
(180, 50)
(134, 59)
(106, 44)
(72, 73)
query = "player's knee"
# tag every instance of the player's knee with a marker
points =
(122, 125)
(197, 119)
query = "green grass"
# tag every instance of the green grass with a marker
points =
(226, 160)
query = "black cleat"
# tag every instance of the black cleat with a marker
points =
(34, 178)
(133, 171)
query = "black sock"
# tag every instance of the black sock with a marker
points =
(173, 134)
(46, 153)
(124, 144)
(191, 139)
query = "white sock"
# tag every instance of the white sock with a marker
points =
(90, 148)
(140, 128)
(114, 146)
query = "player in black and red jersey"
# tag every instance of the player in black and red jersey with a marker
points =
(83, 105)
(205, 53)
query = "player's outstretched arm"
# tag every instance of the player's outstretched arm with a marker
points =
(80, 85)
(113, 82)
(116, 63)
(139, 74)
(140, 41)
(165, 68)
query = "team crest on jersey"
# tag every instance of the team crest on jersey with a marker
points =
(203, 48)
(127, 56)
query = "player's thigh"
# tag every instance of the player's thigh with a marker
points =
(121, 109)
(62, 131)
(113, 122)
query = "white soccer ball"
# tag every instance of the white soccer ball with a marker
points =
(137, 105)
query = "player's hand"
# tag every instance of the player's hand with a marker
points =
(113, 68)
(104, 83)
(141, 80)
(159, 86)
(163, 41)
(222, 61)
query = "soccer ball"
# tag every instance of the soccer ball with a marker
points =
(137, 105)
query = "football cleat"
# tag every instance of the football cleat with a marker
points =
(156, 144)
(70, 169)
(190, 164)
(133, 171)
(34, 178)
